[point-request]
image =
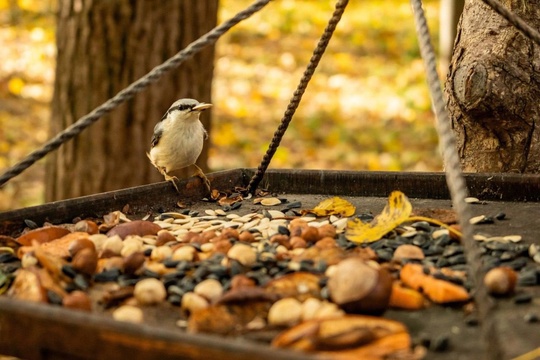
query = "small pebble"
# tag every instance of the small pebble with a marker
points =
(500, 216)
(440, 343)
(531, 318)
(522, 298)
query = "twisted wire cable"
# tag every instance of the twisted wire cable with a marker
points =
(129, 92)
(298, 93)
(457, 186)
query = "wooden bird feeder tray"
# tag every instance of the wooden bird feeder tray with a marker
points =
(40, 331)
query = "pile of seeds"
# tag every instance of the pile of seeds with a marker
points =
(271, 269)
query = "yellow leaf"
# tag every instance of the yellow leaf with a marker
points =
(15, 85)
(333, 206)
(394, 213)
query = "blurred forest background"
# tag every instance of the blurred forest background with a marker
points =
(366, 108)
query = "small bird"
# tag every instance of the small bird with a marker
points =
(178, 139)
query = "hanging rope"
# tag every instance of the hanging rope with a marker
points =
(456, 185)
(297, 97)
(130, 91)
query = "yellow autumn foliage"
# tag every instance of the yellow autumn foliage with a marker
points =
(394, 213)
(333, 206)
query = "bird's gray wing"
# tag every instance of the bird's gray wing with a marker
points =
(158, 131)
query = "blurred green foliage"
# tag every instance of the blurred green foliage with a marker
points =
(366, 108)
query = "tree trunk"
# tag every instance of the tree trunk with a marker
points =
(493, 90)
(103, 46)
(450, 13)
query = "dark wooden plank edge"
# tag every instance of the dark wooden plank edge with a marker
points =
(427, 185)
(40, 331)
(161, 196)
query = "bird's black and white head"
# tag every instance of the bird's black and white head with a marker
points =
(185, 109)
(180, 121)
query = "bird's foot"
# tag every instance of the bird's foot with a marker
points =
(204, 179)
(173, 180)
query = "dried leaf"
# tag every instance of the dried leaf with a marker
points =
(347, 337)
(42, 235)
(437, 290)
(333, 206)
(394, 213)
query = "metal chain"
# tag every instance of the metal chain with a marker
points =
(130, 91)
(515, 20)
(297, 97)
(456, 185)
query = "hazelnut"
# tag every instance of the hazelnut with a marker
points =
(296, 226)
(77, 300)
(86, 226)
(114, 244)
(184, 253)
(242, 253)
(128, 313)
(326, 243)
(222, 246)
(298, 243)
(133, 262)
(198, 240)
(79, 244)
(160, 253)
(189, 235)
(310, 307)
(285, 312)
(135, 227)
(85, 261)
(327, 230)
(407, 251)
(240, 281)
(310, 234)
(359, 287)
(230, 233)
(192, 302)
(281, 239)
(210, 289)
(164, 237)
(246, 236)
(98, 240)
(207, 236)
(500, 281)
(149, 291)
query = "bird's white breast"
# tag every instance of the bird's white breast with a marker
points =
(180, 144)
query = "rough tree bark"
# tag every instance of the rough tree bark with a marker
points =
(103, 46)
(493, 90)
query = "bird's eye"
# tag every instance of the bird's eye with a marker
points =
(183, 107)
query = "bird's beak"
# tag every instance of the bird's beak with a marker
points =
(201, 107)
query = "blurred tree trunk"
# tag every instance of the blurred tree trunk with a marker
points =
(450, 12)
(493, 87)
(103, 46)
